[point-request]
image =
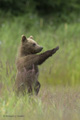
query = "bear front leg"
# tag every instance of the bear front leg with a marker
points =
(38, 59)
(42, 57)
(37, 87)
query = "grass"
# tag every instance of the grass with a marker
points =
(57, 103)
(66, 36)
(59, 97)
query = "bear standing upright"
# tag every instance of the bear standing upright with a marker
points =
(27, 65)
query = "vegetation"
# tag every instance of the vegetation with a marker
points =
(59, 96)
(57, 103)
(58, 11)
(66, 36)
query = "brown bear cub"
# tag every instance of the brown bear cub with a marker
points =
(27, 65)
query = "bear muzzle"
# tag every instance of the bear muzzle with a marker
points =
(41, 48)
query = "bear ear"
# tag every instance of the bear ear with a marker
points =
(31, 37)
(24, 38)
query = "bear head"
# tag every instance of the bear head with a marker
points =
(29, 46)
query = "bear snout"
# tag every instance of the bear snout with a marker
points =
(41, 48)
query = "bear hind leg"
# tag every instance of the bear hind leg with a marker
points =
(37, 87)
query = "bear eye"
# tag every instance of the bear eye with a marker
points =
(34, 44)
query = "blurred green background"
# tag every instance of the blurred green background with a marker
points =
(51, 23)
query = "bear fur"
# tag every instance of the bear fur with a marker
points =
(27, 65)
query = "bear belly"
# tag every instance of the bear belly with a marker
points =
(27, 77)
(32, 74)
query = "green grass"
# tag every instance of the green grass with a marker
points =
(62, 68)
(59, 97)
(52, 103)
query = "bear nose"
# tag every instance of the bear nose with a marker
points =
(41, 47)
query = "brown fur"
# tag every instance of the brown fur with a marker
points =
(27, 65)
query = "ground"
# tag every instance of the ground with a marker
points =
(59, 103)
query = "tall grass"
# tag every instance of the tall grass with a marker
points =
(62, 69)
(58, 103)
